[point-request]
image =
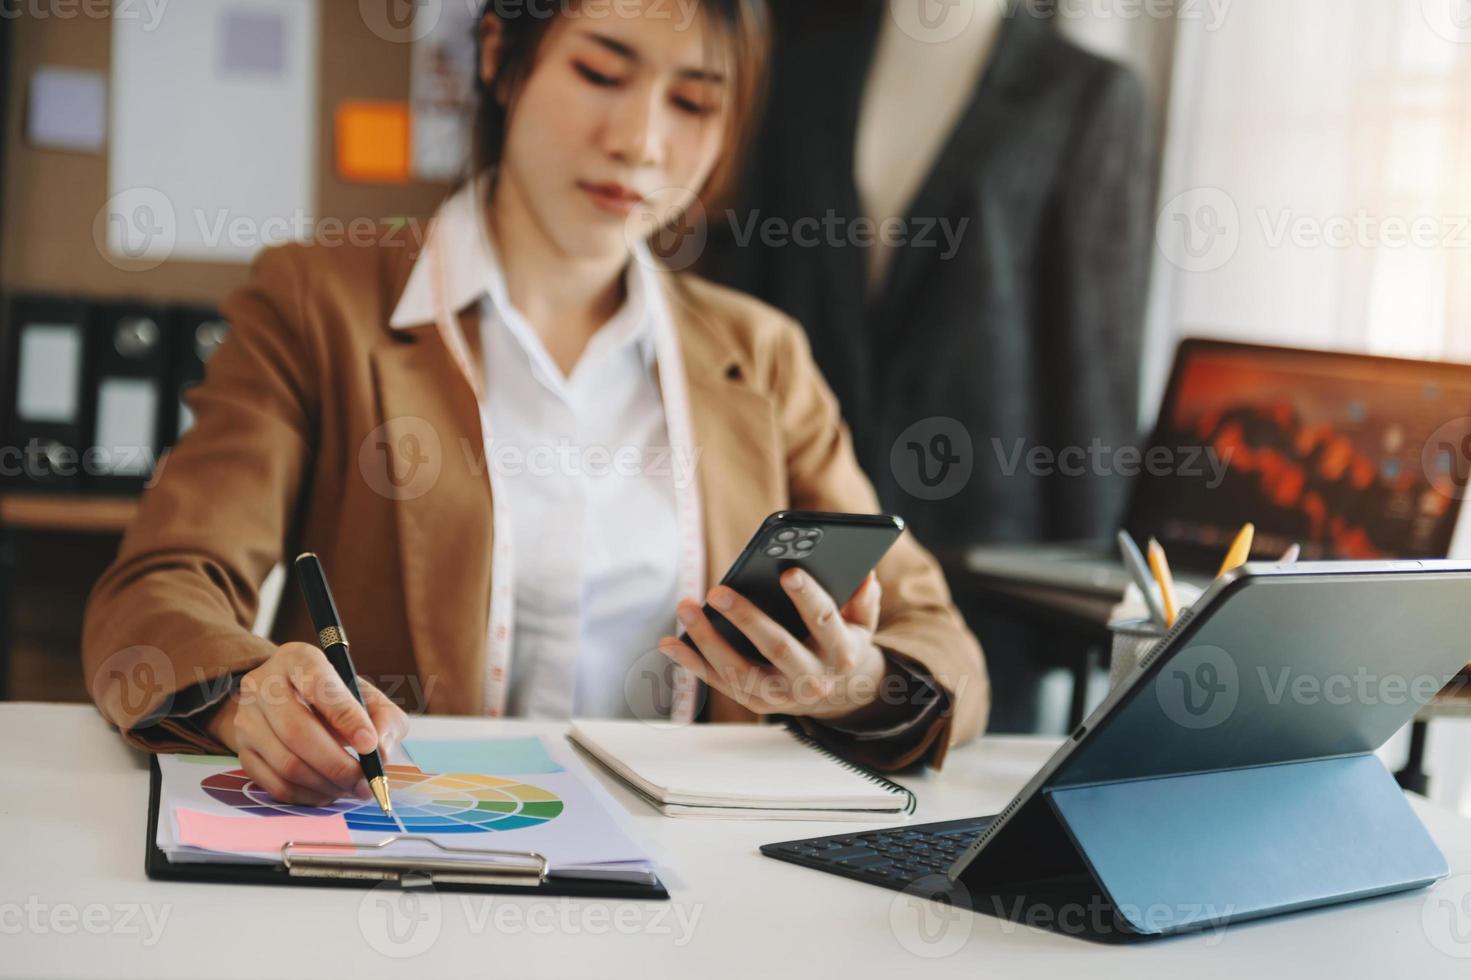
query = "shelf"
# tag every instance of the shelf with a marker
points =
(75, 513)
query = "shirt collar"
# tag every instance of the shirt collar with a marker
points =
(472, 272)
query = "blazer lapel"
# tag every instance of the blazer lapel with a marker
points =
(997, 108)
(840, 68)
(440, 493)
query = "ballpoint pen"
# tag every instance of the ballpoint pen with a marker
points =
(1160, 565)
(1240, 549)
(1139, 570)
(333, 639)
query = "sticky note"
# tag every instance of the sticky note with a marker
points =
(258, 834)
(252, 42)
(486, 756)
(373, 142)
(67, 110)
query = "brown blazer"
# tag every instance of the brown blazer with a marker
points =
(284, 456)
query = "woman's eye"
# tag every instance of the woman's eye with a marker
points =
(694, 107)
(595, 77)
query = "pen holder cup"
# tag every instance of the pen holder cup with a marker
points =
(1132, 641)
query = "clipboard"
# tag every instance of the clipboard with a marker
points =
(314, 864)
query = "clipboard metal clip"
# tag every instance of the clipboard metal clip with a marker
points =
(451, 865)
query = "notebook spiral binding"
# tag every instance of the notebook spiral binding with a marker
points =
(910, 802)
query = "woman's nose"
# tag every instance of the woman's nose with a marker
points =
(632, 134)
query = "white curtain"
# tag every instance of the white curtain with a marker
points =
(1318, 155)
(1316, 173)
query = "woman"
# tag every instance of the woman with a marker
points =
(438, 425)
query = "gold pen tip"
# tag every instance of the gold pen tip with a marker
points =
(379, 786)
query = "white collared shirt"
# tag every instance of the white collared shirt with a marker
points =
(596, 548)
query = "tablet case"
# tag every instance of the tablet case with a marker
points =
(1181, 853)
(158, 867)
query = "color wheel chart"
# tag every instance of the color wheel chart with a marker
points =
(426, 803)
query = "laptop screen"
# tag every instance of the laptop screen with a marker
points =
(1348, 456)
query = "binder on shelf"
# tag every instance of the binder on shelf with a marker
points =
(131, 408)
(46, 423)
(197, 333)
(97, 389)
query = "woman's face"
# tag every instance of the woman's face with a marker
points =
(621, 117)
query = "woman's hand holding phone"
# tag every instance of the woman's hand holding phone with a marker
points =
(290, 720)
(837, 673)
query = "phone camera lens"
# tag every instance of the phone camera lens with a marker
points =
(805, 544)
(776, 551)
(787, 535)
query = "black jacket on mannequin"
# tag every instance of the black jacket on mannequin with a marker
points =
(1028, 336)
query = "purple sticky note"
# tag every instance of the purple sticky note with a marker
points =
(68, 109)
(252, 42)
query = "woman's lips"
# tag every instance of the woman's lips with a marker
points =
(615, 199)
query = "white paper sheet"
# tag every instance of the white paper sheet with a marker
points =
(214, 130)
(585, 832)
(440, 89)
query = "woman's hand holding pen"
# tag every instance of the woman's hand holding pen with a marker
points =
(290, 720)
(838, 673)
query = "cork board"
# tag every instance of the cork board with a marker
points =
(51, 198)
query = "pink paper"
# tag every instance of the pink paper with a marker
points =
(258, 834)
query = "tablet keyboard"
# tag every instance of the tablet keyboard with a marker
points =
(895, 857)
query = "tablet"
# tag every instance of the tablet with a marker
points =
(1231, 775)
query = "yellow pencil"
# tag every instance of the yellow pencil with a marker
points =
(1160, 566)
(1240, 549)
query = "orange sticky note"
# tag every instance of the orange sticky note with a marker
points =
(258, 834)
(373, 142)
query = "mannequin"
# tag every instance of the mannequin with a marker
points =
(976, 115)
(917, 90)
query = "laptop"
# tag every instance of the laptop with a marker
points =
(1348, 456)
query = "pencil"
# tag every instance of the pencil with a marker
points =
(1139, 570)
(1160, 565)
(333, 638)
(1240, 549)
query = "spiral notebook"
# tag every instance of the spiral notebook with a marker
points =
(743, 772)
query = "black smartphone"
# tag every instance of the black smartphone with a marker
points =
(837, 550)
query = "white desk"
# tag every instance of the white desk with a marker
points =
(74, 900)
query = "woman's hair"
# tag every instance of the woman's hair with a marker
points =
(742, 25)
